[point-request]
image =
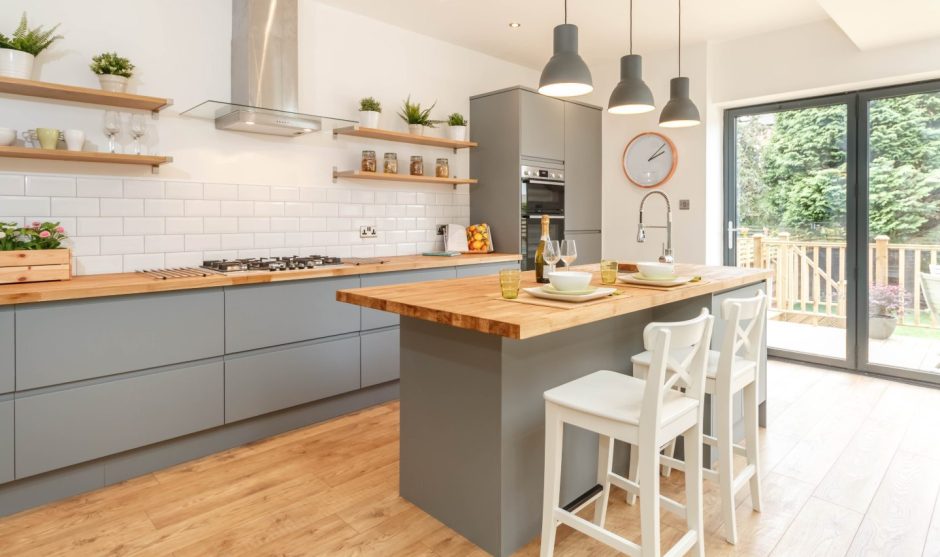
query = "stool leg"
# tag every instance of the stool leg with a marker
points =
(649, 500)
(631, 471)
(605, 460)
(695, 512)
(669, 451)
(751, 441)
(725, 434)
(554, 431)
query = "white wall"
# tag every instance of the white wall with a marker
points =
(181, 49)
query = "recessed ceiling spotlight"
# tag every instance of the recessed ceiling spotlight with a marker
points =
(515, 24)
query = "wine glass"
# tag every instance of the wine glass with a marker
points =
(138, 130)
(569, 252)
(112, 125)
(551, 254)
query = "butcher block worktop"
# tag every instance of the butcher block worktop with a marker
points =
(476, 304)
(119, 284)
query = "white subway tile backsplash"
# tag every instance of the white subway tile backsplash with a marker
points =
(407, 249)
(298, 239)
(237, 241)
(269, 208)
(362, 197)
(11, 185)
(253, 253)
(184, 225)
(311, 194)
(85, 245)
(254, 224)
(201, 208)
(384, 250)
(220, 224)
(350, 210)
(269, 240)
(20, 206)
(142, 261)
(144, 225)
(50, 186)
(184, 190)
(122, 207)
(297, 209)
(364, 250)
(220, 191)
(183, 259)
(99, 187)
(416, 235)
(164, 243)
(406, 198)
(325, 209)
(314, 224)
(338, 196)
(338, 224)
(395, 210)
(373, 210)
(75, 207)
(143, 189)
(415, 211)
(285, 224)
(283, 193)
(163, 207)
(121, 245)
(98, 264)
(214, 255)
(385, 197)
(100, 226)
(324, 238)
(254, 193)
(237, 208)
(203, 242)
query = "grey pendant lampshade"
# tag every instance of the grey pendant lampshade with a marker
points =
(566, 74)
(631, 95)
(680, 111)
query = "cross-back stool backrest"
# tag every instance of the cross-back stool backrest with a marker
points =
(744, 320)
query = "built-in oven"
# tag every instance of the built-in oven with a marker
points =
(543, 193)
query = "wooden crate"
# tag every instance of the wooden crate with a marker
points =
(35, 265)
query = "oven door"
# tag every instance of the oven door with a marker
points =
(542, 197)
(532, 233)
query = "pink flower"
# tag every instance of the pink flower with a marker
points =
(60, 229)
(44, 234)
(36, 224)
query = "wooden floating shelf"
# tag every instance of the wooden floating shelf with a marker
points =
(152, 161)
(60, 92)
(401, 137)
(357, 175)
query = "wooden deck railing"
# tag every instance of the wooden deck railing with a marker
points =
(810, 276)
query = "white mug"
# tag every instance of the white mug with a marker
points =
(74, 139)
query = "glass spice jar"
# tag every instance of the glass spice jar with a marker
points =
(391, 163)
(368, 161)
(417, 165)
(442, 168)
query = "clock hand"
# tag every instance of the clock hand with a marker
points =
(657, 153)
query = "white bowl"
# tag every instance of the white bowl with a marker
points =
(7, 136)
(570, 280)
(656, 270)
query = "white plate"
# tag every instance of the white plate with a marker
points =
(641, 276)
(599, 293)
(632, 279)
(552, 290)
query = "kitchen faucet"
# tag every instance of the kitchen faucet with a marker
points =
(666, 257)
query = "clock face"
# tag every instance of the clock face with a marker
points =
(649, 159)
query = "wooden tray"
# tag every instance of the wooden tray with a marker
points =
(35, 265)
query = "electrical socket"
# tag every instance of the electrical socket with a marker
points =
(440, 229)
(368, 232)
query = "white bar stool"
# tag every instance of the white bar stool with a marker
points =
(647, 414)
(734, 368)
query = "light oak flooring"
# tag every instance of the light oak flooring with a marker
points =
(851, 467)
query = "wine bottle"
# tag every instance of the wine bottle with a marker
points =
(540, 252)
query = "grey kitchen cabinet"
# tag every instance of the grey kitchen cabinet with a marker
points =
(374, 319)
(7, 351)
(380, 356)
(542, 126)
(257, 316)
(273, 379)
(588, 244)
(65, 427)
(487, 269)
(106, 336)
(582, 167)
(6, 441)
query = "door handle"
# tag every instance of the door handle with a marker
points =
(562, 217)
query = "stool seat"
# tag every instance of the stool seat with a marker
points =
(742, 371)
(617, 397)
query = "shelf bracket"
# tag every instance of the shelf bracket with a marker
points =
(335, 170)
(155, 114)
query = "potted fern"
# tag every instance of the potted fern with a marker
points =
(369, 112)
(112, 70)
(416, 117)
(457, 127)
(18, 52)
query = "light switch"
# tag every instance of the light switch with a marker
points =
(683, 204)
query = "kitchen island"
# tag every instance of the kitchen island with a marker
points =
(474, 367)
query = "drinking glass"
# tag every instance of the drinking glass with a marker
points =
(509, 283)
(138, 130)
(569, 252)
(608, 271)
(551, 254)
(112, 125)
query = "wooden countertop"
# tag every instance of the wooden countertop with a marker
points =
(120, 284)
(475, 304)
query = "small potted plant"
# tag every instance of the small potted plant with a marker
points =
(884, 304)
(457, 127)
(18, 52)
(112, 70)
(416, 117)
(369, 112)
(33, 253)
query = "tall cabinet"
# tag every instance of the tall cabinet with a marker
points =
(518, 126)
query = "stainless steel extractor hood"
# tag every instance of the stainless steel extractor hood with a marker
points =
(264, 74)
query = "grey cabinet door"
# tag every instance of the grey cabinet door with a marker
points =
(267, 380)
(380, 356)
(257, 316)
(6, 441)
(542, 126)
(582, 167)
(7, 353)
(486, 269)
(61, 428)
(589, 246)
(105, 336)
(373, 319)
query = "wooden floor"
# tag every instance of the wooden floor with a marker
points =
(851, 467)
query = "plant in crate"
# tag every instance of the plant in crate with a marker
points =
(457, 127)
(112, 70)
(33, 253)
(369, 112)
(885, 302)
(417, 117)
(18, 51)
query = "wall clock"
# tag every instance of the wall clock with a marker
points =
(649, 160)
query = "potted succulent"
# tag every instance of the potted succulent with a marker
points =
(369, 112)
(33, 253)
(18, 52)
(416, 117)
(112, 70)
(457, 127)
(884, 303)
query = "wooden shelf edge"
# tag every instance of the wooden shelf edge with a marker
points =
(86, 95)
(402, 137)
(83, 156)
(357, 175)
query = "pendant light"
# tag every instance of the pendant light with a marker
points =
(631, 95)
(680, 111)
(566, 74)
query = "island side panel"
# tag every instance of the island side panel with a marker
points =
(450, 427)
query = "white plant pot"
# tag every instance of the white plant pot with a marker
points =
(416, 129)
(457, 133)
(881, 327)
(369, 118)
(113, 83)
(15, 63)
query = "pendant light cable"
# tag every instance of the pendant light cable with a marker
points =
(680, 39)
(566, 11)
(631, 26)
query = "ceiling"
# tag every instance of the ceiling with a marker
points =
(880, 23)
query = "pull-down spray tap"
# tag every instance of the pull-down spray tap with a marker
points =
(666, 257)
